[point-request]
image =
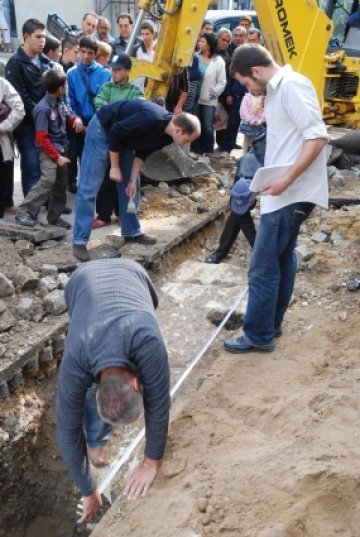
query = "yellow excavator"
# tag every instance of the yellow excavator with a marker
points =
(312, 36)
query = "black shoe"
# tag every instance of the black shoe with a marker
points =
(61, 223)
(26, 220)
(72, 187)
(141, 239)
(239, 345)
(278, 332)
(213, 258)
(238, 146)
(67, 210)
(81, 252)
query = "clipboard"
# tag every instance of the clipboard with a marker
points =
(267, 172)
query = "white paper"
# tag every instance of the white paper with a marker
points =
(267, 172)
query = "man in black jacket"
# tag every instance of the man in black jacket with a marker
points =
(24, 71)
(125, 23)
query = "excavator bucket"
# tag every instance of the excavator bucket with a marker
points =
(172, 163)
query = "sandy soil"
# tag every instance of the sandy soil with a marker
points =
(266, 445)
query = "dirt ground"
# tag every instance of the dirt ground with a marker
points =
(266, 445)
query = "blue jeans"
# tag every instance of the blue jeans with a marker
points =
(205, 142)
(97, 431)
(94, 163)
(272, 271)
(29, 152)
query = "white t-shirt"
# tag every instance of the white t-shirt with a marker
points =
(147, 56)
(293, 116)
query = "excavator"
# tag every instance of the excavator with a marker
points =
(312, 36)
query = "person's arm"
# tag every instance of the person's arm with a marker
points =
(181, 101)
(135, 172)
(309, 152)
(115, 172)
(152, 362)
(220, 76)
(102, 97)
(14, 74)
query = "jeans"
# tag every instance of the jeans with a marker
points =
(30, 164)
(97, 431)
(205, 142)
(272, 271)
(93, 168)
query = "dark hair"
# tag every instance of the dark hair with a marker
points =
(187, 122)
(92, 13)
(117, 401)
(31, 25)
(104, 19)
(51, 43)
(88, 42)
(254, 31)
(248, 56)
(53, 79)
(148, 25)
(68, 42)
(125, 16)
(205, 22)
(211, 40)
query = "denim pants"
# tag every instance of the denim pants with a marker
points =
(97, 431)
(272, 271)
(94, 163)
(30, 164)
(205, 142)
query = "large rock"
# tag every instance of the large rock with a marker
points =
(25, 278)
(54, 302)
(7, 320)
(6, 286)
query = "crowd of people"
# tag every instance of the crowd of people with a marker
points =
(62, 104)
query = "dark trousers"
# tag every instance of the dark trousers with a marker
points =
(233, 225)
(29, 152)
(76, 146)
(228, 141)
(107, 200)
(6, 184)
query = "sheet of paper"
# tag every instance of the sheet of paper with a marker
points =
(266, 173)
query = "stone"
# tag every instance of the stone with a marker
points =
(48, 282)
(174, 193)
(163, 186)
(25, 278)
(25, 308)
(54, 302)
(4, 390)
(16, 381)
(31, 369)
(331, 171)
(24, 248)
(336, 236)
(185, 189)
(3, 306)
(59, 344)
(62, 280)
(49, 270)
(319, 237)
(7, 320)
(46, 355)
(224, 180)
(342, 315)
(2, 350)
(337, 180)
(201, 505)
(303, 253)
(198, 197)
(4, 437)
(115, 241)
(6, 286)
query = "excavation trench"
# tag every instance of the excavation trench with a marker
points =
(39, 498)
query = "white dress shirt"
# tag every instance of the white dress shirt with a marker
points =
(293, 116)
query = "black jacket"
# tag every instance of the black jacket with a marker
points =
(26, 78)
(119, 45)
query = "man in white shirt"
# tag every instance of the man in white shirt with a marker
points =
(296, 137)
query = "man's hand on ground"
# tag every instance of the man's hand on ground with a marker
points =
(140, 479)
(91, 505)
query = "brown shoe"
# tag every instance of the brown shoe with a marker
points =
(142, 239)
(81, 252)
(99, 456)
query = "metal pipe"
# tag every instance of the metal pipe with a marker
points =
(135, 32)
(120, 460)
